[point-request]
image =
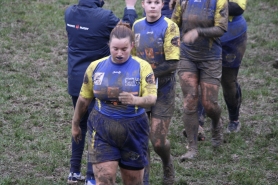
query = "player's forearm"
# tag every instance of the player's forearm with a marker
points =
(210, 32)
(80, 110)
(165, 68)
(145, 101)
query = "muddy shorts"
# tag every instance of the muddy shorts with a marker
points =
(233, 51)
(165, 103)
(208, 71)
(124, 140)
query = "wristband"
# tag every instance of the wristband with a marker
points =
(130, 7)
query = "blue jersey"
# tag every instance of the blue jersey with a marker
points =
(156, 42)
(237, 25)
(104, 80)
(201, 14)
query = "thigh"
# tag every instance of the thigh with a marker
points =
(188, 76)
(209, 95)
(124, 140)
(159, 129)
(105, 173)
(165, 103)
(233, 51)
(134, 148)
(210, 71)
(102, 147)
(229, 75)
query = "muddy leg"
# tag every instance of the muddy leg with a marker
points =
(213, 111)
(189, 85)
(161, 145)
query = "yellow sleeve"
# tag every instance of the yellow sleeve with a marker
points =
(148, 86)
(241, 3)
(172, 41)
(177, 14)
(87, 86)
(221, 14)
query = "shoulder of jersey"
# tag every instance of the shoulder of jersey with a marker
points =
(98, 61)
(138, 59)
(139, 20)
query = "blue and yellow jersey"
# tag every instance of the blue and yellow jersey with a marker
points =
(190, 14)
(156, 42)
(237, 24)
(104, 80)
(236, 3)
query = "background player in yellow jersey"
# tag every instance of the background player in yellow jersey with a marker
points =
(118, 126)
(202, 23)
(233, 48)
(157, 41)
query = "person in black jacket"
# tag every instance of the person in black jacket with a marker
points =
(88, 28)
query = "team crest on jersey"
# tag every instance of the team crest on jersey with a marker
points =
(230, 57)
(150, 78)
(97, 78)
(130, 82)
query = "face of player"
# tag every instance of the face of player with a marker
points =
(153, 9)
(120, 49)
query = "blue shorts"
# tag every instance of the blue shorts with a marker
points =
(165, 103)
(124, 140)
(233, 51)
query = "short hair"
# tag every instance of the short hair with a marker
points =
(122, 30)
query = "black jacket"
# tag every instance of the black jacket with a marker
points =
(88, 27)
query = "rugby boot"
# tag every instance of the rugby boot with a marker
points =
(73, 178)
(217, 133)
(190, 154)
(233, 126)
(169, 173)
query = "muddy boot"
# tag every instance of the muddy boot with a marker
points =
(190, 154)
(217, 134)
(192, 133)
(169, 174)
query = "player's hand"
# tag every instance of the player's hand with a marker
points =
(127, 98)
(130, 2)
(190, 36)
(76, 133)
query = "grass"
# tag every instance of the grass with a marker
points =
(36, 111)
